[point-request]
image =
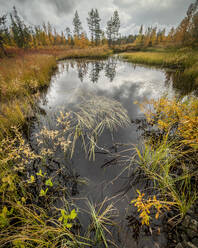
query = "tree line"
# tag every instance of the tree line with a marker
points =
(18, 34)
(21, 35)
(185, 34)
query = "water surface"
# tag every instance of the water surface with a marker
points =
(106, 177)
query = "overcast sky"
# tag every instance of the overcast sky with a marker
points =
(133, 13)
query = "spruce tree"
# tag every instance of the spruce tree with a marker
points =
(113, 26)
(97, 29)
(90, 22)
(3, 30)
(116, 25)
(21, 33)
(68, 33)
(77, 25)
(109, 31)
(93, 21)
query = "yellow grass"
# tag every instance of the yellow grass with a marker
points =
(185, 59)
(27, 72)
(20, 78)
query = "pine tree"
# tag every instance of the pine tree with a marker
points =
(139, 39)
(153, 37)
(90, 22)
(97, 29)
(49, 33)
(116, 25)
(147, 37)
(3, 30)
(171, 35)
(109, 31)
(21, 32)
(77, 25)
(113, 26)
(94, 26)
(103, 38)
(68, 35)
(62, 39)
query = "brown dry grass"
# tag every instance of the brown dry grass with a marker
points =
(24, 72)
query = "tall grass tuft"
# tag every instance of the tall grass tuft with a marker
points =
(101, 221)
(31, 227)
(93, 116)
(169, 158)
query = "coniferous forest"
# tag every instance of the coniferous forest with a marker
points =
(14, 32)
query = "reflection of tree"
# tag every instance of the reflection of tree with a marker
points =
(72, 64)
(97, 66)
(94, 68)
(67, 67)
(82, 68)
(180, 82)
(110, 69)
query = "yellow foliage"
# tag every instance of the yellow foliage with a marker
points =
(144, 206)
(176, 114)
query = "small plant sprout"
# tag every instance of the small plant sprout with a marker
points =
(40, 173)
(49, 183)
(43, 192)
(4, 220)
(32, 179)
(66, 217)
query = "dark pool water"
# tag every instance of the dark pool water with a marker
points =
(106, 177)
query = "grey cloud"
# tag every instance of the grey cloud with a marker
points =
(38, 11)
(166, 12)
(62, 6)
(21, 1)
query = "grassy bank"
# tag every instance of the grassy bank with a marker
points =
(32, 179)
(94, 53)
(24, 73)
(31, 188)
(63, 52)
(28, 190)
(169, 158)
(20, 79)
(184, 59)
(181, 58)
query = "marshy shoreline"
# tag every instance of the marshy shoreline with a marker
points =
(22, 78)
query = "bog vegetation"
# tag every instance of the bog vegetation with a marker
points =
(167, 159)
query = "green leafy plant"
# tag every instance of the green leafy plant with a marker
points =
(4, 217)
(65, 218)
(43, 192)
(32, 179)
(49, 182)
(40, 173)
